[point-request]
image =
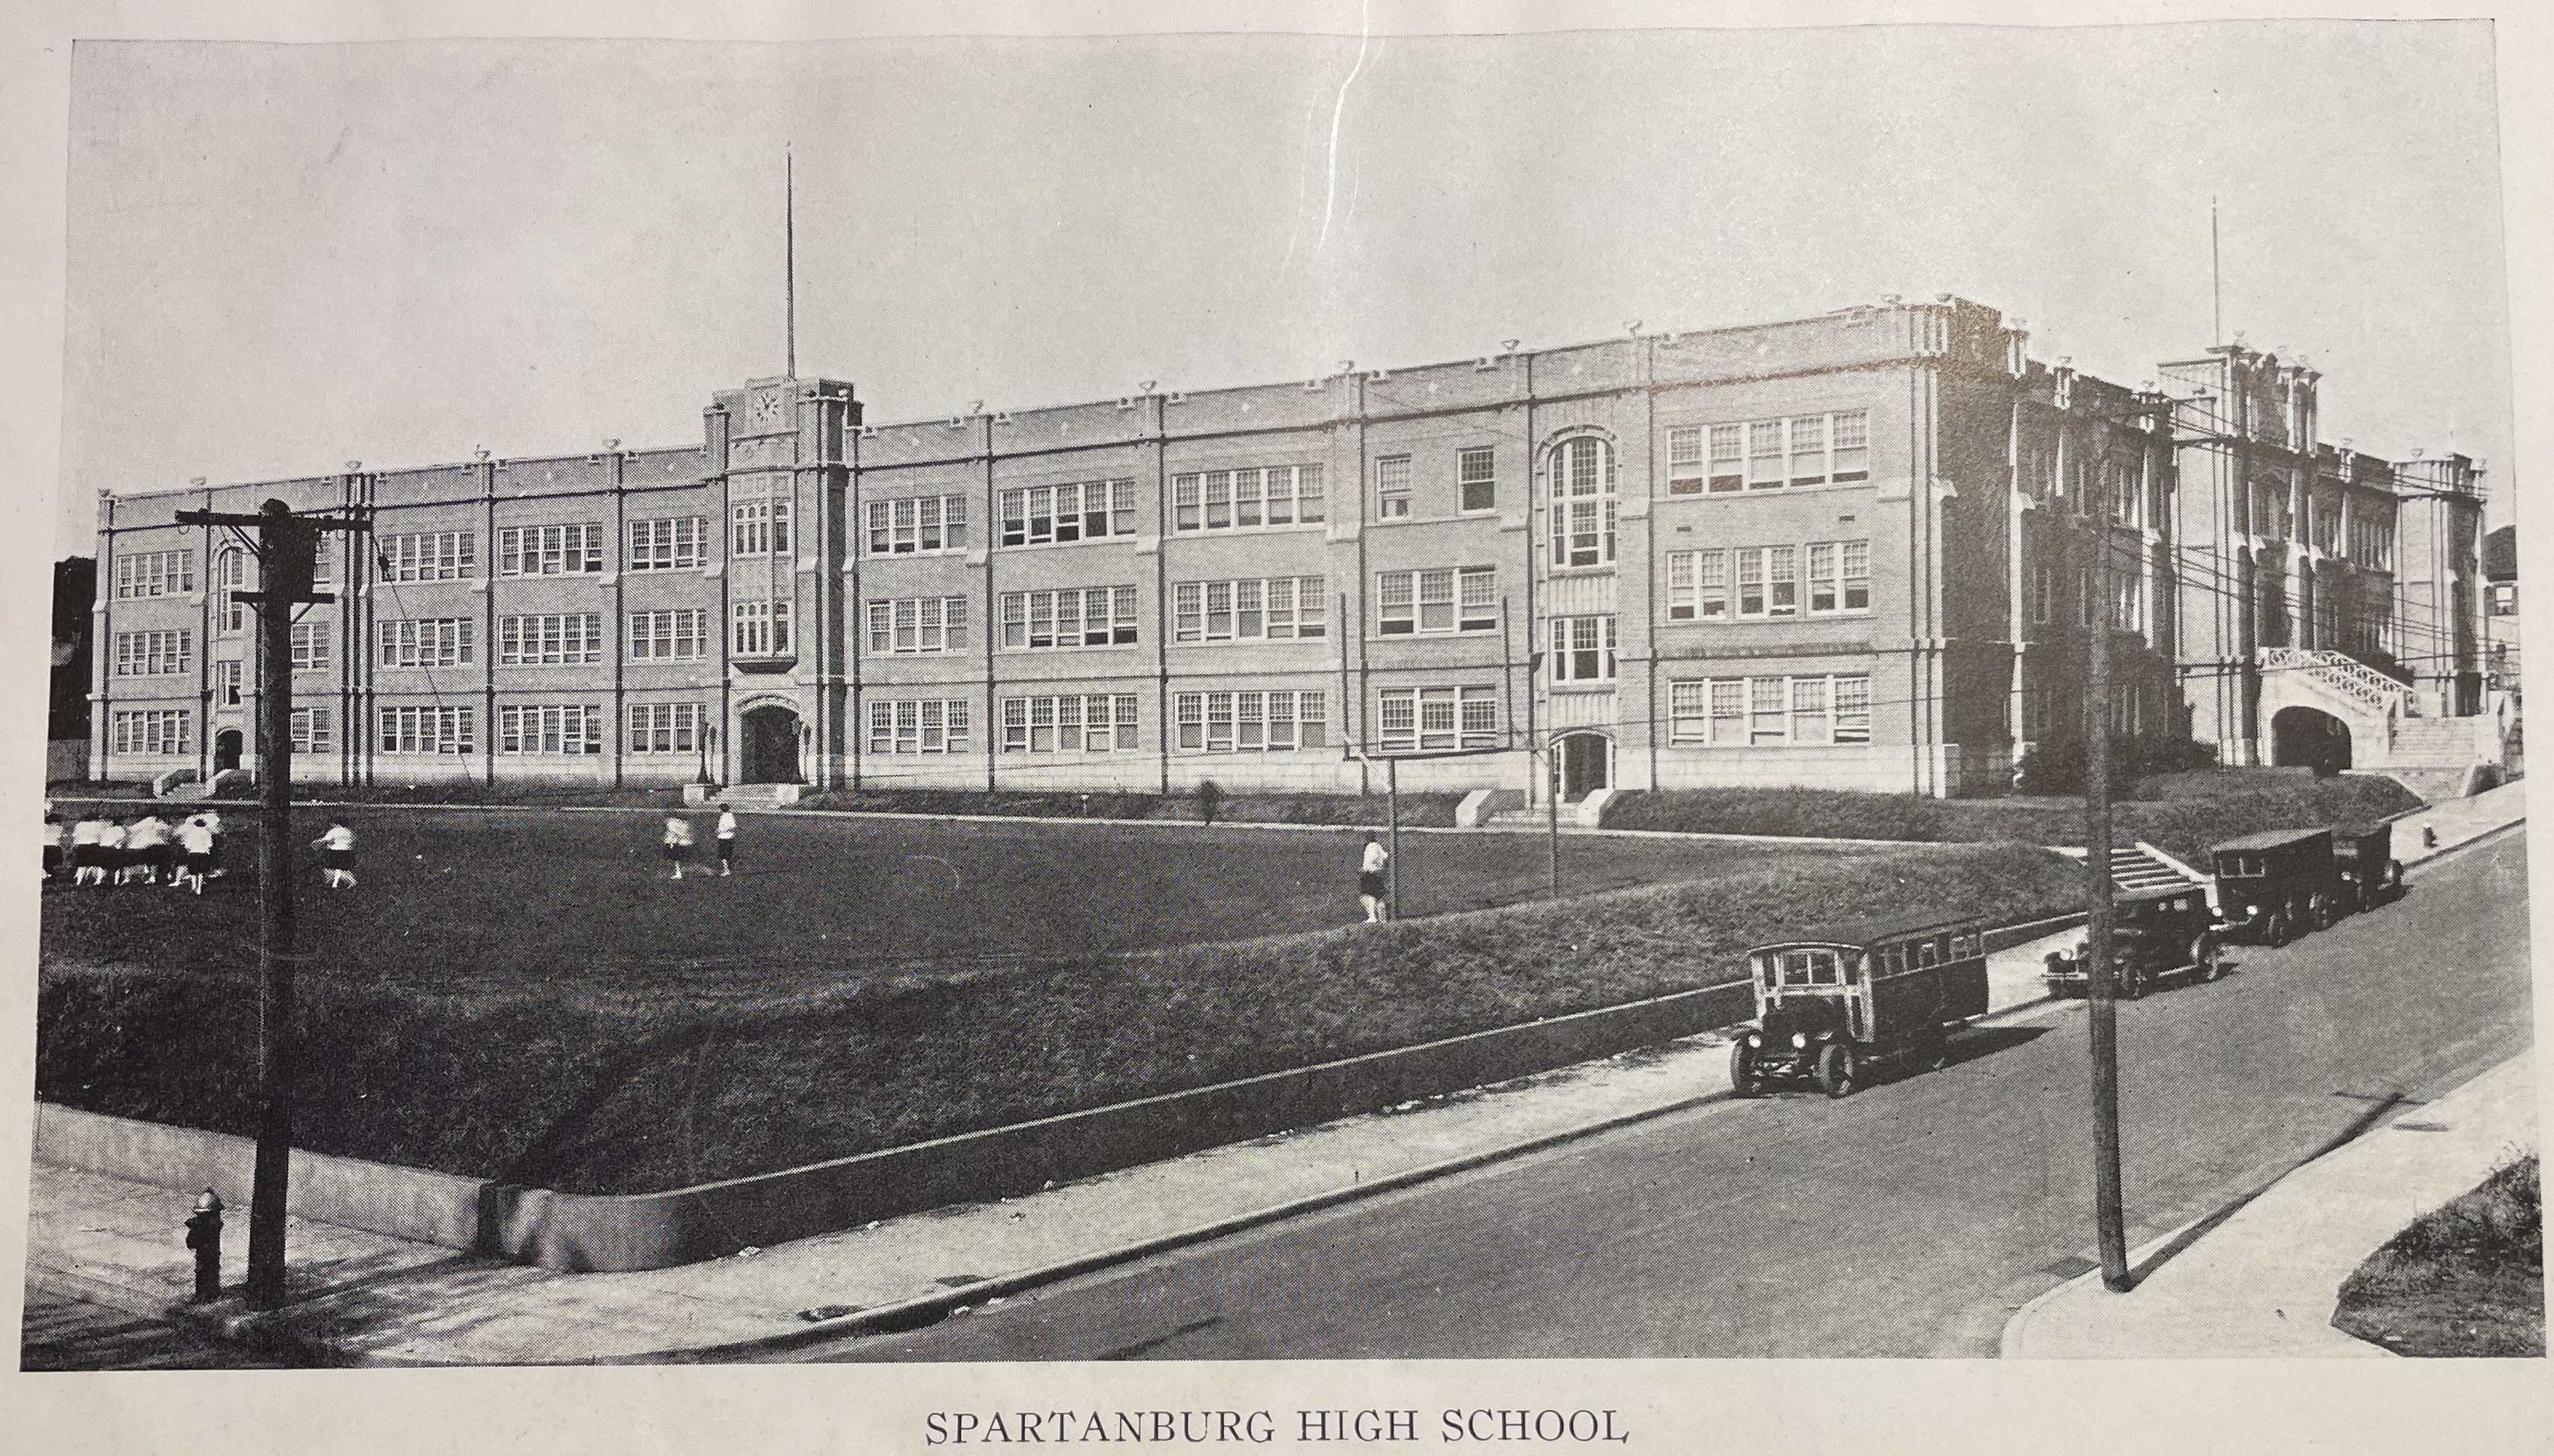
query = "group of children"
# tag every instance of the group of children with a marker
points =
(106, 851)
(678, 842)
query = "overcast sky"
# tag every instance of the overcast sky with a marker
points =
(286, 257)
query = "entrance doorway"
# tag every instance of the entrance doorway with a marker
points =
(2302, 738)
(1586, 765)
(769, 745)
(226, 751)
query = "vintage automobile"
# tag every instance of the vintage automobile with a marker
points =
(2371, 876)
(2274, 886)
(2164, 931)
(1828, 1006)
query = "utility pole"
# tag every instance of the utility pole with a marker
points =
(287, 547)
(2103, 1007)
(1392, 852)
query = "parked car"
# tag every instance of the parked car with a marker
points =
(2274, 886)
(1829, 1006)
(2371, 876)
(2163, 932)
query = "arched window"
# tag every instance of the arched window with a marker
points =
(1583, 502)
(230, 573)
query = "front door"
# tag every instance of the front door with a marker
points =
(1586, 764)
(770, 746)
(226, 751)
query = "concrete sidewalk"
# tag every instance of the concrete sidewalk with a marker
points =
(2266, 1279)
(368, 1298)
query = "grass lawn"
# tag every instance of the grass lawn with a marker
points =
(2467, 1279)
(524, 997)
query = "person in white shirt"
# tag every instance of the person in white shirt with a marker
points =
(212, 819)
(678, 842)
(336, 856)
(196, 837)
(112, 860)
(1372, 888)
(726, 839)
(87, 863)
(50, 837)
(147, 845)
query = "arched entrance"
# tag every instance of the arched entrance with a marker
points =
(226, 751)
(768, 741)
(2304, 737)
(1586, 763)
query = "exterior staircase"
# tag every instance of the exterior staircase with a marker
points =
(2143, 866)
(2340, 673)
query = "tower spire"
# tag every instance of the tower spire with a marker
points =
(789, 247)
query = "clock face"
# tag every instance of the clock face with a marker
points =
(765, 410)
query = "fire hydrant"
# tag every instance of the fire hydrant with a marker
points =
(205, 1236)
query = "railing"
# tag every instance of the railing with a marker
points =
(2344, 674)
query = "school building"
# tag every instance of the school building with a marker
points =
(1858, 550)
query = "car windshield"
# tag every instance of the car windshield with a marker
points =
(1810, 968)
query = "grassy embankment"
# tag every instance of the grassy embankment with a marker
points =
(2467, 1280)
(622, 1084)
(2185, 814)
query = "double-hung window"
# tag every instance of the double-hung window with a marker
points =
(1273, 608)
(573, 729)
(758, 629)
(1074, 616)
(549, 639)
(1392, 487)
(227, 677)
(313, 730)
(1770, 454)
(664, 727)
(428, 556)
(679, 634)
(433, 641)
(1248, 722)
(758, 528)
(1231, 499)
(448, 732)
(1042, 516)
(155, 653)
(1583, 502)
(913, 625)
(1582, 649)
(918, 525)
(154, 574)
(1768, 583)
(231, 575)
(549, 550)
(1697, 586)
(153, 731)
(1096, 723)
(1426, 720)
(311, 645)
(1442, 600)
(1476, 479)
(1840, 577)
(919, 725)
(672, 543)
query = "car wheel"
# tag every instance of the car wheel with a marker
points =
(1745, 1080)
(1934, 1051)
(1839, 1070)
(2203, 954)
(2321, 912)
(2276, 931)
(2131, 983)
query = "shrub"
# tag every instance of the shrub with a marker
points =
(1209, 797)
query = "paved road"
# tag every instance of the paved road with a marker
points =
(1906, 1220)
(61, 1333)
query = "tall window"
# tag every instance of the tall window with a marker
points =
(664, 727)
(759, 628)
(1583, 502)
(311, 645)
(549, 550)
(908, 626)
(549, 728)
(1840, 577)
(758, 528)
(1582, 649)
(1249, 723)
(1476, 479)
(553, 639)
(312, 731)
(1443, 600)
(153, 653)
(428, 556)
(1697, 586)
(1249, 610)
(1096, 723)
(919, 526)
(435, 641)
(153, 731)
(1425, 719)
(918, 726)
(230, 573)
(681, 634)
(2044, 593)
(429, 730)
(226, 683)
(1768, 583)
(673, 543)
(1076, 616)
(154, 574)
(1234, 499)
(1392, 487)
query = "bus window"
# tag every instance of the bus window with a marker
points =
(1928, 951)
(1796, 967)
(1824, 968)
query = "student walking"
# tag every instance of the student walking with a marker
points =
(147, 843)
(336, 856)
(112, 857)
(726, 839)
(196, 837)
(678, 842)
(1372, 888)
(52, 840)
(88, 864)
